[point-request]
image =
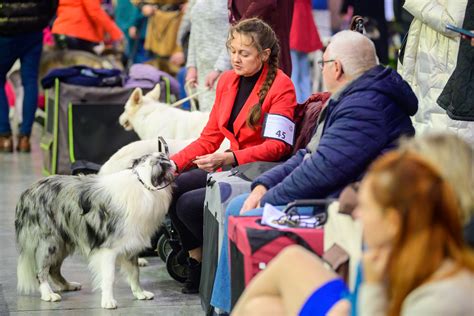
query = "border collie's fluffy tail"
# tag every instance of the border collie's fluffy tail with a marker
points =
(26, 271)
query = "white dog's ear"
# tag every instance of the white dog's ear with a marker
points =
(155, 93)
(137, 96)
(156, 175)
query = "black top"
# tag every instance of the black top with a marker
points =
(246, 85)
(18, 17)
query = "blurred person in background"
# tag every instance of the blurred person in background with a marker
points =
(376, 24)
(133, 25)
(83, 25)
(207, 52)
(164, 18)
(304, 39)
(21, 37)
(438, 65)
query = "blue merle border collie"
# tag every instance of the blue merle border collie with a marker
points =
(107, 218)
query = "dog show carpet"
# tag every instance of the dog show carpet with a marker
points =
(19, 171)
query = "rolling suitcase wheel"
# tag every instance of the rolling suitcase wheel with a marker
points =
(163, 247)
(178, 271)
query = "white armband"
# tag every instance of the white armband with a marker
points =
(277, 126)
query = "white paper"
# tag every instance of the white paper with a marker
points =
(279, 127)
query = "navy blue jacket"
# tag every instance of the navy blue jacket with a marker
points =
(367, 119)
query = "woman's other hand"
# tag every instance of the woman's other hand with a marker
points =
(253, 200)
(191, 76)
(211, 78)
(214, 161)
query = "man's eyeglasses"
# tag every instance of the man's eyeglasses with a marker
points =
(322, 62)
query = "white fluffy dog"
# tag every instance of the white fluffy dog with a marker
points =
(107, 218)
(151, 118)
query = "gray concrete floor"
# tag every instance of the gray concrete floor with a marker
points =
(17, 172)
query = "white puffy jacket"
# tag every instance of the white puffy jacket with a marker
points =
(429, 59)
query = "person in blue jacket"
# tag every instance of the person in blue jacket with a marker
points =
(368, 112)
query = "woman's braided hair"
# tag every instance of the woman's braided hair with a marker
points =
(263, 37)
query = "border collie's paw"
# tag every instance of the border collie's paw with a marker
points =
(143, 295)
(142, 262)
(109, 303)
(71, 286)
(51, 297)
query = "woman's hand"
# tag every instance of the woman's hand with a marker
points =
(471, 39)
(133, 32)
(148, 10)
(177, 58)
(214, 161)
(191, 76)
(253, 200)
(211, 78)
(375, 264)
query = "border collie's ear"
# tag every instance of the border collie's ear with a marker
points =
(135, 162)
(137, 96)
(155, 93)
(156, 175)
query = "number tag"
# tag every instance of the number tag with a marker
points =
(279, 127)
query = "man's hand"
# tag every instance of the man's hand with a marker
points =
(191, 76)
(214, 161)
(253, 200)
(211, 78)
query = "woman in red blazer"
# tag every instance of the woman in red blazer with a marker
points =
(254, 90)
(82, 24)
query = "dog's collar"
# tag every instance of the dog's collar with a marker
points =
(150, 188)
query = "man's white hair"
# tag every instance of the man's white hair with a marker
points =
(355, 51)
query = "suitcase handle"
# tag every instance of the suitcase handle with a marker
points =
(314, 203)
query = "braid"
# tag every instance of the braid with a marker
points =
(255, 112)
(263, 38)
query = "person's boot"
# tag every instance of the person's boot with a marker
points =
(6, 143)
(23, 144)
(191, 285)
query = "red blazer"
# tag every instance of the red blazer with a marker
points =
(85, 19)
(247, 144)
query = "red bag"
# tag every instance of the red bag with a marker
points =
(253, 245)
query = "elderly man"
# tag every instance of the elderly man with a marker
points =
(369, 110)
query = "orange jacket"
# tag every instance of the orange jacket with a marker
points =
(85, 19)
(247, 144)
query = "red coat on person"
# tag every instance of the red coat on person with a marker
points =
(247, 144)
(277, 13)
(86, 20)
(304, 36)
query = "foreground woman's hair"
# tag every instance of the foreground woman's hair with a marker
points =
(430, 222)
